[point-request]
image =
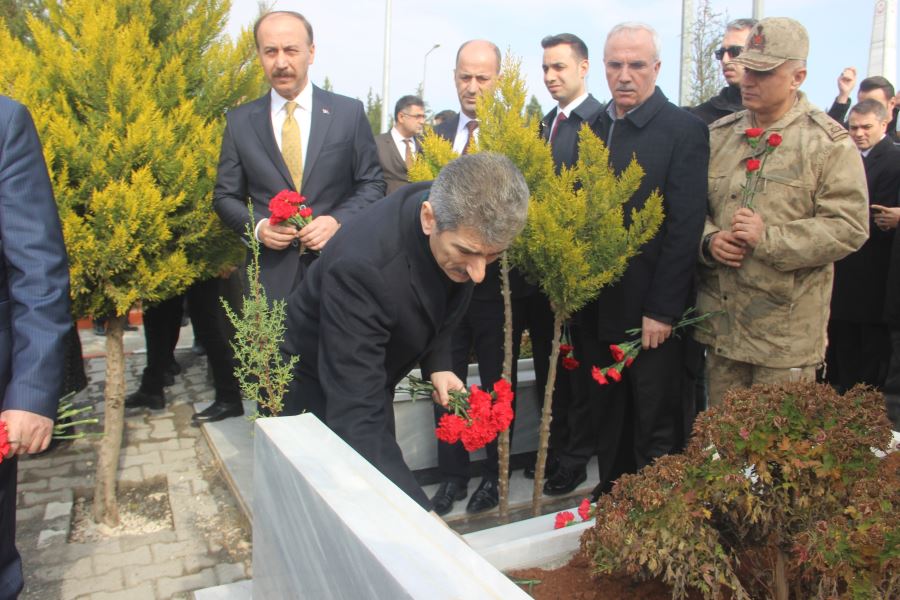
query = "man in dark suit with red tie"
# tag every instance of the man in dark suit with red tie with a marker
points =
(565, 64)
(296, 137)
(398, 147)
(481, 329)
(34, 315)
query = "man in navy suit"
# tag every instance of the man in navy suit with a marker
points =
(387, 296)
(333, 162)
(34, 314)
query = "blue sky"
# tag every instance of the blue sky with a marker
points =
(349, 37)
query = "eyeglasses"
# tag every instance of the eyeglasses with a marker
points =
(420, 117)
(733, 52)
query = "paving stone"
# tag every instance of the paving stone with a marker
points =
(169, 569)
(79, 569)
(48, 472)
(47, 536)
(141, 592)
(131, 474)
(164, 552)
(33, 486)
(32, 498)
(158, 470)
(109, 582)
(163, 430)
(230, 572)
(171, 444)
(176, 456)
(63, 483)
(69, 552)
(196, 562)
(187, 443)
(29, 512)
(199, 486)
(138, 556)
(137, 460)
(166, 587)
(57, 509)
(148, 539)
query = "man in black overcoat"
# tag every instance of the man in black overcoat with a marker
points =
(639, 418)
(858, 340)
(386, 294)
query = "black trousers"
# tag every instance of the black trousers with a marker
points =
(162, 324)
(630, 423)
(11, 581)
(857, 353)
(481, 331)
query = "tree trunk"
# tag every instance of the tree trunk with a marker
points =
(546, 416)
(781, 578)
(503, 442)
(105, 508)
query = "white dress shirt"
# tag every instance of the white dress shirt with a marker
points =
(401, 145)
(462, 133)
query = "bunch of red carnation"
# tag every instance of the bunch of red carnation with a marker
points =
(288, 206)
(478, 418)
(754, 165)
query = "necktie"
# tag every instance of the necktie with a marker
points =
(409, 155)
(291, 149)
(471, 126)
(559, 119)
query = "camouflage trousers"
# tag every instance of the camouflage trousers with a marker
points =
(722, 374)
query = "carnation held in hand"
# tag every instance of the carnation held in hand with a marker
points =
(476, 418)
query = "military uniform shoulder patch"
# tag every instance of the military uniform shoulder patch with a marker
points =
(834, 129)
(726, 120)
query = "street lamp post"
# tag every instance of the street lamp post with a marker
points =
(425, 68)
(387, 66)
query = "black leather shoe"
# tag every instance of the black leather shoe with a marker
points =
(145, 399)
(550, 467)
(486, 497)
(448, 493)
(564, 481)
(169, 374)
(216, 412)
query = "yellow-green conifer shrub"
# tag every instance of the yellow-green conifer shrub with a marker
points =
(129, 97)
(577, 238)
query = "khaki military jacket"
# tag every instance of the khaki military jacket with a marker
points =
(813, 200)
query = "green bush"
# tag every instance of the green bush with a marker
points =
(779, 495)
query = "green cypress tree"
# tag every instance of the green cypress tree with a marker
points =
(129, 99)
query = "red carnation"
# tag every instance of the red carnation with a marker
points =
(753, 132)
(597, 374)
(503, 391)
(304, 211)
(569, 363)
(563, 519)
(774, 140)
(584, 509)
(501, 416)
(565, 350)
(753, 164)
(449, 428)
(281, 211)
(476, 436)
(614, 374)
(616, 352)
(628, 361)
(4, 441)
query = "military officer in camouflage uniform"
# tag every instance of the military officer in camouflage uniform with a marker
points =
(768, 268)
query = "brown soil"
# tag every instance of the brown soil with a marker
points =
(574, 581)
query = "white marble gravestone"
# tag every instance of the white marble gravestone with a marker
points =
(328, 525)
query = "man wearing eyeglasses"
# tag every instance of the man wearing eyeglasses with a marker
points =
(398, 147)
(728, 101)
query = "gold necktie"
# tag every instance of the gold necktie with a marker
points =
(408, 158)
(291, 149)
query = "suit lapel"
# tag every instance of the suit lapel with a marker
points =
(320, 121)
(261, 123)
